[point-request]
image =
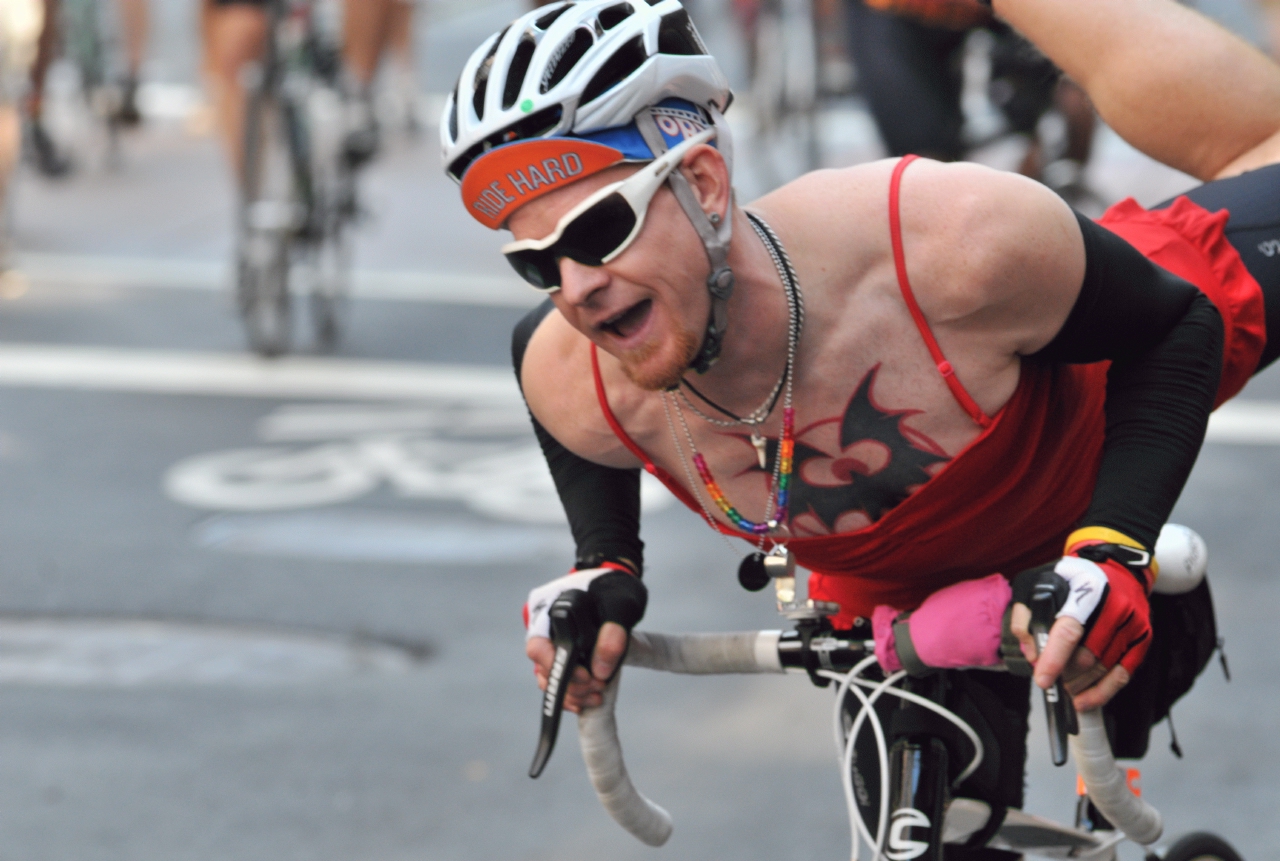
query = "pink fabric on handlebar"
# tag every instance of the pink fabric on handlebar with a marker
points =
(959, 626)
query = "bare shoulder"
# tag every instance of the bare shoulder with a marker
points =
(991, 252)
(559, 387)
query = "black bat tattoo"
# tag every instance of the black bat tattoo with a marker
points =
(873, 494)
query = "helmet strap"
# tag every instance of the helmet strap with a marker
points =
(715, 240)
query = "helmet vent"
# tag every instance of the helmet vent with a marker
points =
(548, 19)
(481, 84)
(566, 57)
(624, 61)
(536, 125)
(676, 35)
(516, 73)
(615, 15)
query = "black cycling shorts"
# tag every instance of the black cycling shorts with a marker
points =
(911, 74)
(1253, 229)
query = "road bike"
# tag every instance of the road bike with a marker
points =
(917, 813)
(298, 189)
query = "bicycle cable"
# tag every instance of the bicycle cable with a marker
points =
(845, 744)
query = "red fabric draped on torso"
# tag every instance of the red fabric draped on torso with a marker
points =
(1011, 497)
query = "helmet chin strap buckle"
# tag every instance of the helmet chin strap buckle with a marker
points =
(720, 286)
(720, 283)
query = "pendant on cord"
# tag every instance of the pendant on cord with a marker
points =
(751, 573)
(760, 443)
(757, 569)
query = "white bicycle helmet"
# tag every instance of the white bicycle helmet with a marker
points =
(568, 90)
(578, 67)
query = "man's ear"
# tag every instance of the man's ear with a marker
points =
(705, 169)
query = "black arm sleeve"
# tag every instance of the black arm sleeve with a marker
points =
(601, 502)
(1164, 340)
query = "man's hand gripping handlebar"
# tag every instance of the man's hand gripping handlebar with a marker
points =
(577, 635)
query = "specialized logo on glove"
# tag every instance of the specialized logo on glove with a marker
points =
(1110, 577)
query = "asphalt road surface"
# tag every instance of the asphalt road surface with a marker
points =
(271, 610)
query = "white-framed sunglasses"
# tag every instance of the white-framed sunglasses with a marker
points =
(600, 227)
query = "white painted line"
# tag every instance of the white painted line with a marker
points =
(128, 653)
(240, 375)
(60, 270)
(1246, 423)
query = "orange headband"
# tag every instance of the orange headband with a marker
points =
(503, 179)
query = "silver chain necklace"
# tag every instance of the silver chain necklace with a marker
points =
(795, 322)
(795, 312)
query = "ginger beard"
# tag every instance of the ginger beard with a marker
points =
(654, 373)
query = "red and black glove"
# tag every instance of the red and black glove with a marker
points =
(1109, 578)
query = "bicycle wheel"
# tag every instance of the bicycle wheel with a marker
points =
(1201, 846)
(270, 214)
(332, 181)
(331, 285)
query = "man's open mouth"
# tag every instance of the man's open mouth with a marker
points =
(628, 322)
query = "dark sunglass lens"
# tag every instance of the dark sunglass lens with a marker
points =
(597, 233)
(539, 268)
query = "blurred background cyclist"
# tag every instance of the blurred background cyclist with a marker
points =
(133, 18)
(233, 32)
(910, 55)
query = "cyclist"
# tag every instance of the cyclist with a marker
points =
(20, 26)
(135, 20)
(928, 373)
(912, 52)
(40, 145)
(233, 32)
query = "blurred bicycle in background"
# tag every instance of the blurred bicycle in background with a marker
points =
(293, 85)
(298, 188)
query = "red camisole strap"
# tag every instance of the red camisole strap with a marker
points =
(616, 426)
(967, 403)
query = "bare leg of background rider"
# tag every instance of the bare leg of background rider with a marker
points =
(234, 37)
(135, 21)
(366, 30)
(43, 150)
(1225, 118)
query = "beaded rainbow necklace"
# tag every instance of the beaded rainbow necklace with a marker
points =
(776, 508)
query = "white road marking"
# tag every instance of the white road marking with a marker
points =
(175, 372)
(480, 455)
(1246, 423)
(366, 535)
(186, 274)
(129, 653)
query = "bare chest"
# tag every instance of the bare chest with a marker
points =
(874, 421)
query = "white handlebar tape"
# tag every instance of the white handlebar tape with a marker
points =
(702, 654)
(598, 734)
(1106, 783)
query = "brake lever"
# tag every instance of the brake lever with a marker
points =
(573, 632)
(1058, 708)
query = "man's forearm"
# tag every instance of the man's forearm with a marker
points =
(1168, 80)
